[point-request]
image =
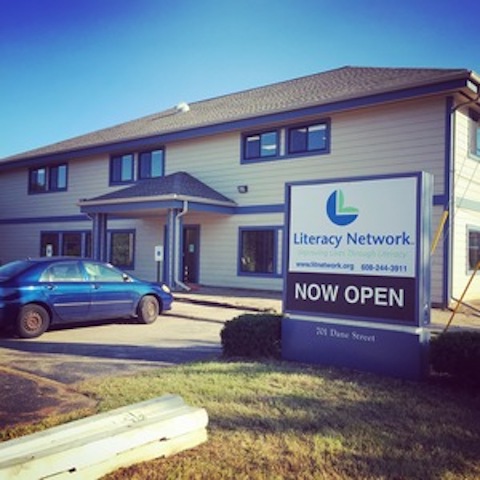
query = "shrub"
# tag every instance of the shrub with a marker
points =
(252, 335)
(458, 354)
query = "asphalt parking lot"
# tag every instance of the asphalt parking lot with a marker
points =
(189, 332)
(38, 376)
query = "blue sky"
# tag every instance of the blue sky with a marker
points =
(69, 67)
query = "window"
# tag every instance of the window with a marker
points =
(150, 164)
(474, 132)
(63, 272)
(72, 244)
(311, 138)
(58, 178)
(121, 169)
(473, 248)
(477, 140)
(49, 244)
(48, 179)
(257, 251)
(261, 145)
(75, 244)
(308, 138)
(122, 248)
(103, 273)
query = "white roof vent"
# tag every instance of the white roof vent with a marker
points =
(182, 107)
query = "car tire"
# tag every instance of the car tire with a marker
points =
(32, 321)
(148, 309)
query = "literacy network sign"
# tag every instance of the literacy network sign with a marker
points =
(357, 259)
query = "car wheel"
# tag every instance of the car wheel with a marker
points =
(32, 321)
(148, 309)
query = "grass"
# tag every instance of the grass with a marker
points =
(278, 420)
(286, 421)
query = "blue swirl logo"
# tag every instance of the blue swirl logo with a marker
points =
(338, 212)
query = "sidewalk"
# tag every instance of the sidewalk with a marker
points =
(268, 301)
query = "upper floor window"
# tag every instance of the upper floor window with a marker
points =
(308, 138)
(477, 139)
(311, 138)
(121, 169)
(150, 164)
(48, 179)
(261, 145)
(474, 133)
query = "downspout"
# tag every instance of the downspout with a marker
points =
(176, 279)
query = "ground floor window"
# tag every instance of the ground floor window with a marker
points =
(79, 244)
(122, 248)
(76, 244)
(259, 251)
(473, 248)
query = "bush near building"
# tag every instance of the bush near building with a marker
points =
(259, 336)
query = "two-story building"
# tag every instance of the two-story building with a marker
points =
(195, 194)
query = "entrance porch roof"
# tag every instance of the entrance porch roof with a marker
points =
(149, 196)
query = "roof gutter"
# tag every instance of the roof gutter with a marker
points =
(152, 198)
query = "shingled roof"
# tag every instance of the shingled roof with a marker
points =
(176, 185)
(319, 89)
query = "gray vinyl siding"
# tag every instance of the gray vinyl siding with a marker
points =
(219, 237)
(466, 206)
(394, 138)
(86, 178)
(401, 137)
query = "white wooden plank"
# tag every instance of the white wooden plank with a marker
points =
(143, 453)
(103, 439)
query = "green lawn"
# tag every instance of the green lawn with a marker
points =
(288, 421)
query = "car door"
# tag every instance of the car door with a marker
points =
(67, 291)
(112, 296)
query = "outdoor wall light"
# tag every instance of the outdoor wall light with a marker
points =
(242, 188)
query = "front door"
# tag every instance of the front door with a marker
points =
(191, 240)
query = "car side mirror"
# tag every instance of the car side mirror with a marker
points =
(126, 278)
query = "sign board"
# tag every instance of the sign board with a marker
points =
(358, 258)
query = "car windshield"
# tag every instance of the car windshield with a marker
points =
(9, 270)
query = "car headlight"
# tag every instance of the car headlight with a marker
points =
(166, 288)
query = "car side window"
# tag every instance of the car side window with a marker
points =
(63, 272)
(102, 273)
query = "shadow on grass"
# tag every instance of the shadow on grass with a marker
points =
(387, 428)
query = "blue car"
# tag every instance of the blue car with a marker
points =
(37, 293)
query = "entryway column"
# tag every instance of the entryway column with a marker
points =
(170, 249)
(99, 237)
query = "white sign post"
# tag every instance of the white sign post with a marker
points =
(159, 252)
